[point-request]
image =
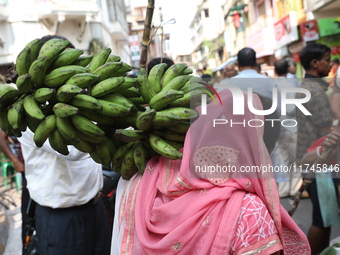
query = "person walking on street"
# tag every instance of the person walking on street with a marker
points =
(70, 217)
(315, 59)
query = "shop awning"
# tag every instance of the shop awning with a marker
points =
(231, 60)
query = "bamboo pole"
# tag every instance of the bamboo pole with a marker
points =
(146, 33)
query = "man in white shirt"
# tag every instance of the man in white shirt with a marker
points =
(70, 219)
(248, 77)
(288, 144)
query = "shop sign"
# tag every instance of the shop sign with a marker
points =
(296, 57)
(329, 26)
(285, 31)
(134, 47)
(334, 50)
(309, 31)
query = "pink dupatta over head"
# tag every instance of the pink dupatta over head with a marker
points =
(171, 209)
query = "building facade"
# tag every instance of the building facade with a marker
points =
(90, 25)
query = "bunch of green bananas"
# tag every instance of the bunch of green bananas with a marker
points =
(161, 128)
(68, 98)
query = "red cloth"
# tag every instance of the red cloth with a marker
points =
(318, 143)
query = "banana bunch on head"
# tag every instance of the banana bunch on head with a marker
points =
(68, 98)
(171, 96)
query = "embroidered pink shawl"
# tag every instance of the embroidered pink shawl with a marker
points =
(170, 210)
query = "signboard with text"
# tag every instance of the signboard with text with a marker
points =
(309, 31)
(329, 26)
(134, 47)
(285, 30)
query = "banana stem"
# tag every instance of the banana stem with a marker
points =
(146, 33)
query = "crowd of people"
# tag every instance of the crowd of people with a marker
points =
(173, 208)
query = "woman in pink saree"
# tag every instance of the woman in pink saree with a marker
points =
(179, 207)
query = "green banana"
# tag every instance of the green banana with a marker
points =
(187, 71)
(60, 75)
(52, 49)
(155, 76)
(184, 113)
(44, 94)
(83, 101)
(95, 157)
(114, 109)
(144, 86)
(86, 126)
(96, 116)
(181, 127)
(140, 156)
(118, 99)
(67, 57)
(189, 99)
(32, 123)
(127, 168)
(58, 142)
(164, 98)
(22, 63)
(27, 56)
(144, 120)
(106, 86)
(107, 70)
(91, 138)
(165, 119)
(129, 135)
(163, 148)
(7, 94)
(67, 130)
(35, 46)
(130, 92)
(83, 80)
(123, 70)
(170, 135)
(172, 72)
(104, 152)
(176, 145)
(68, 91)
(113, 58)
(24, 83)
(38, 69)
(83, 146)
(4, 124)
(64, 110)
(125, 121)
(128, 83)
(32, 108)
(16, 113)
(99, 59)
(137, 100)
(83, 61)
(118, 156)
(193, 83)
(177, 83)
(44, 130)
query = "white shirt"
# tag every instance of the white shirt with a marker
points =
(292, 79)
(59, 181)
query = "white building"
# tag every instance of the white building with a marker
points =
(80, 21)
(206, 26)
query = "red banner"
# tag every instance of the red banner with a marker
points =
(334, 50)
(309, 31)
(296, 57)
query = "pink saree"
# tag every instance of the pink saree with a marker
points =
(176, 209)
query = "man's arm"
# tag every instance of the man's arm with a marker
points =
(18, 165)
(335, 102)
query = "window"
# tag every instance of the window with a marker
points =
(206, 13)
